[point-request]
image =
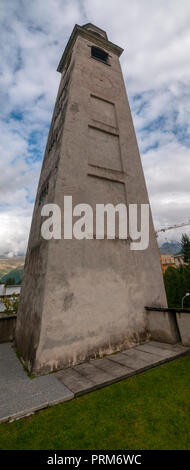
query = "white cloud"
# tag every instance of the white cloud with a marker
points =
(14, 232)
(156, 39)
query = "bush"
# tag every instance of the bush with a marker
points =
(10, 303)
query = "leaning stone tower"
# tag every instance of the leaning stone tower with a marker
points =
(82, 298)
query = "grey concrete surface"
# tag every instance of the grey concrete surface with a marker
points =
(135, 360)
(75, 381)
(162, 325)
(133, 355)
(173, 347)
(183, 321)
(115, 369)
(96, 375)
(20, 395)
(148, 348)
(10, 366)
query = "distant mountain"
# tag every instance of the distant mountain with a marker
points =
(15, 274)
(11, 267)
(172, 247)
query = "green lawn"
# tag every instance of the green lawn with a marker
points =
(149, 411)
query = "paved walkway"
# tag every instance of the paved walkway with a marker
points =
(21, 396)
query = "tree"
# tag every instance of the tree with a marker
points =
(185, 248)
(177, 284)
(10, 281)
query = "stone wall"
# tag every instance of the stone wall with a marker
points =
(183, 321)
(179, 320)
(7, 327)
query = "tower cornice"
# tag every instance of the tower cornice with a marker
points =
(91, 36)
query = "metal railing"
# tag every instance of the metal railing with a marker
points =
(168, 309)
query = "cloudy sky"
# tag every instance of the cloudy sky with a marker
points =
(155, 35)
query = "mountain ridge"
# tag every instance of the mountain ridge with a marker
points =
(171, 247)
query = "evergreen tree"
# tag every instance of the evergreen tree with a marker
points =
(177, 284)
(185, 248)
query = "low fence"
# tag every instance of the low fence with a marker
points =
(182, 317)
(7, 327)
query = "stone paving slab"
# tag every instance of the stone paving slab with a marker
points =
(172, 347)
(113, 368)
(21, 396)
(89, 376)
(97, 376)
(76, 382)
(145, 357)
(165, 353)
(134, 362)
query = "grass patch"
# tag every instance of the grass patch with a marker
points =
(148, 411)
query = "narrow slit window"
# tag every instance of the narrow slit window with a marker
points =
(99, 54)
